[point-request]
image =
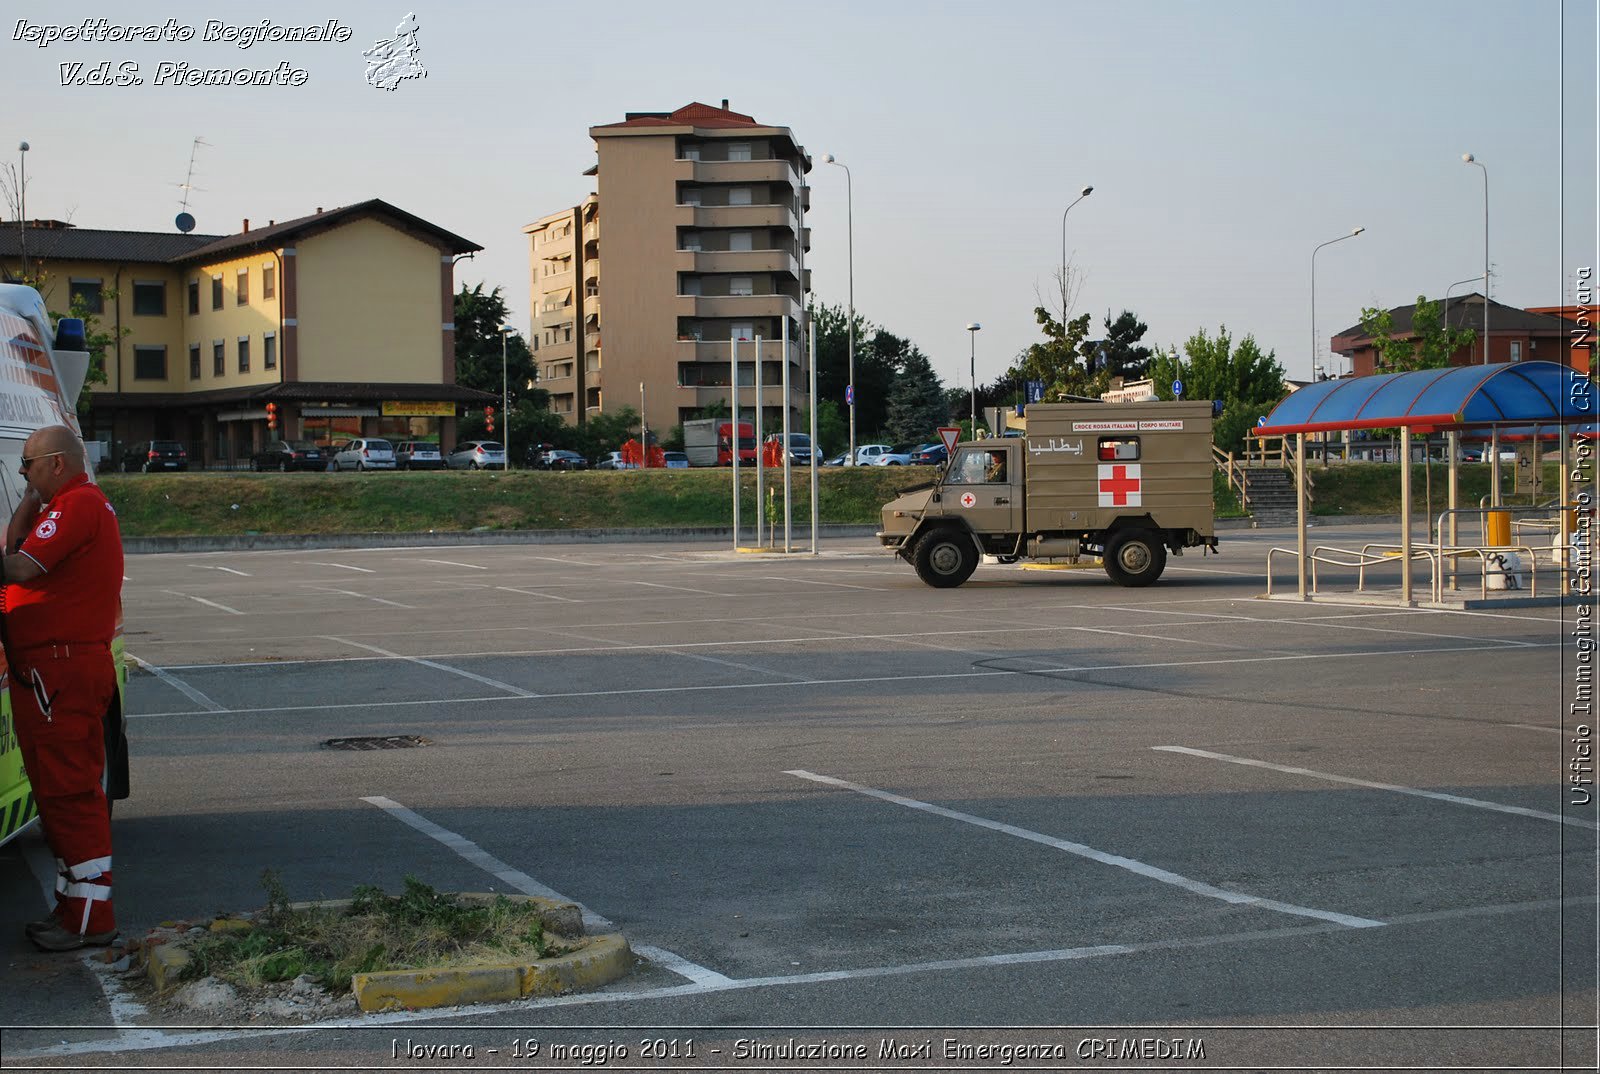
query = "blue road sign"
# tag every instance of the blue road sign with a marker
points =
(1035, 390)
(1177, 389)
(849, 395)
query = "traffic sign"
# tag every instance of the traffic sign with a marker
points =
(1177, 389)
(1035, 391)
(949, 434)
(849, 395)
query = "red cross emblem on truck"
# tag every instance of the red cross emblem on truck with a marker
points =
(1120, 485)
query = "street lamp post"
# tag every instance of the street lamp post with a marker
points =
(972, 334)
(1468, 158)
(1316, 349)
(644, 432)
(850, 325)
(1084, 193)
(505, 395)
(1444, 317)
(22, 205)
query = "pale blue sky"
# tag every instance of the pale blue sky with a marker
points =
(1225, 140)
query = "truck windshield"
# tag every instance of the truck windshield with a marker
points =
(974, 466)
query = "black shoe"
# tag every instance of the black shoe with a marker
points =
(33, 928)
(57, 938)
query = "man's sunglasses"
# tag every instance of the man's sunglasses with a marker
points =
(27, 462)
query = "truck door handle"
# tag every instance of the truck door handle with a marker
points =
(998, 500)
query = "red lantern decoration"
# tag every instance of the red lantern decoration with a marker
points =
(272, 415)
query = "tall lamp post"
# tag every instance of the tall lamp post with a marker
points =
(505, 394)
(850, 325)
(1468, 158)
(22, 205)
(1316, 348)
(1084, 193)
(1444, 317)
(972, 334)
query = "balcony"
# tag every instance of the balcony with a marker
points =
(771, 396)
(748, 262)
(738, 171)
(736, 216)
(591, 268)
(737, 307)
(715, 352)
(550, 316)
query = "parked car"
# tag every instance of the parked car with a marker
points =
(288, 455)
(675, 460)
(930, 455)
(418, 455)
(801, 453)
(561, 459)
(837, 460)
(865, 453)
(895, 456)
(477, 455)
(153, 456)
(612, 460)
(363, 453)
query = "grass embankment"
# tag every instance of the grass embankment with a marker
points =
(209, 504)
(172, 505)
(1373, 488)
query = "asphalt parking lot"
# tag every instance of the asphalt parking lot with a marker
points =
(817, 793)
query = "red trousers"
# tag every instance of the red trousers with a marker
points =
(59, 696)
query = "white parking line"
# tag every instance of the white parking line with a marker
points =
(362, 596)
(209, 567)
(448, 563)
(1151, 872)
(813, 581)
(515, 691)
(680, 588)
(207, 603)
(342, 566)
(537, 593)
(1453, 799)
(177, 684)
(529, 886)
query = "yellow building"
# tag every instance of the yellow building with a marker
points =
(343, 319)
(703, 210)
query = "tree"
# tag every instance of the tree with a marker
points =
(1248, 383)
(1059, 361)
(1430, 345)
(479, 316)
(833, 428)
(916, 404)
(1121, 355)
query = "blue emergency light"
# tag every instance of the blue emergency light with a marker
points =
(69, 335)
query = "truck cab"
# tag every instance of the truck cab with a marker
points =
(1122, 483)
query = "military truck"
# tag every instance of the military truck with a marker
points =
(1121, 482)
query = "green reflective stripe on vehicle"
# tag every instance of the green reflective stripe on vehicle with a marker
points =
(18, 814)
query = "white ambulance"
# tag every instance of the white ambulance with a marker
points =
(41, 374)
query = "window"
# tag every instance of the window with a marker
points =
(244, 354)
(243, 288)
(741, 285)
(744, 330)
(149, 298)
(975, 466)
(86, 295)
(1516, 350)
(216, 292)
(739, 195)
(691, 196)
(691, 152)
(741, 241)
(149, 363)
(691, 241)
(269, 281)
(1119, 449)
(691, 285)
(194, 361)
(194, 297)
(216, 358)
(738, 150)
(269, 350)
(568, 338)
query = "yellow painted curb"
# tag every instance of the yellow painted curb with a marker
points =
(164, 964)
(1061, 566)
(602, 960)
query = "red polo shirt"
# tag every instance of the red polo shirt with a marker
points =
(77, 541)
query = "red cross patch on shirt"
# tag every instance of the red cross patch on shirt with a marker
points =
(1120, 485)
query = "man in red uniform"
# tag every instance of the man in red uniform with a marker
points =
(62, 571)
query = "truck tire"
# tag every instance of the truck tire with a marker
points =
(1135, 557)
(945, 558)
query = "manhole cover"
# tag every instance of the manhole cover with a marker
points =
(378, 742)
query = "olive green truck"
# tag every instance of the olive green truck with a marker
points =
(1121, 482)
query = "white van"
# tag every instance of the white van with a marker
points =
(39, 386)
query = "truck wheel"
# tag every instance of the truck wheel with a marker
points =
(1135, 558)
(945, 558)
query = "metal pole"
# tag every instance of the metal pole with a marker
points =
(1300, 513)
(850, 325)
(1494, 461)
(1405, 514)
(1453, 494)
(505, 400)
(1316, 348)
(733, 397)
(761, 506)
(644, 433)
(22, 206)
(788, 473)
(1083, 194)
(816, 461)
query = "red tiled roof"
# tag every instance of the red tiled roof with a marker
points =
(693, 114)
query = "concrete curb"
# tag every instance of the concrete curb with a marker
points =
(290, 542)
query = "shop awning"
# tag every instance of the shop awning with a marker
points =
(1521, 393)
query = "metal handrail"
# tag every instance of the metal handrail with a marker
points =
(1335, 556)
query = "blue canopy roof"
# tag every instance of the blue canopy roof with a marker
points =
(1522, 393)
